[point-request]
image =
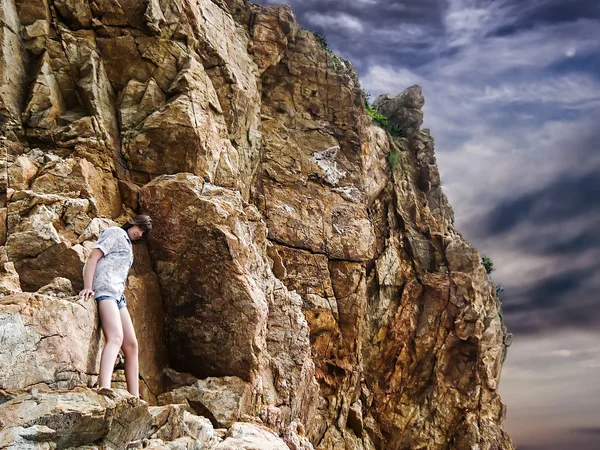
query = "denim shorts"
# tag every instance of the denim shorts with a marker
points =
(121, 303)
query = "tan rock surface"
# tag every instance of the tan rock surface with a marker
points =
(232, 317)
(9, 278)
(40, 345)
(245, 436)
(223, 400)
(287, 255)
(215, 310)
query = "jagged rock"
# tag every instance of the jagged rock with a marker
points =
(137, 101)
(207, 226)
(355, 418)
(295, 437)
(3, 217)
(246, 436)
(272, 31)
(29, 239)
(172, 422)
(47, 339)
(77, 13)
(47, 217)
(78, 176)
(404, 110)
(172, 379)
(46, 104)
(61, 260)
(186, 135)
(462, 257)
(232, 72)
(115, 420)
(262, 336)
(12, 70)
(9, 278)
(60, 287)
(130, 194)
(297, 245)
(224, 400)
(21, 172)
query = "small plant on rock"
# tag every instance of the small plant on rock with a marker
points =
(335, 59)
(393, 159)
(378, 118)
(499, 289)
(394, 129)
(383, 121)
(322, 40)
(487, 263)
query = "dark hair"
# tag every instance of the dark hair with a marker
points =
(144, 222)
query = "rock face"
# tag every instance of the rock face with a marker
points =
(304, 286)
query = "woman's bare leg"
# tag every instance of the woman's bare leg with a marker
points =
(110, 321)
(130, 349)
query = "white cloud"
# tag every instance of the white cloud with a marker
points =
(461, 25)
(336, 21)
(533, 49)
(403, 34)
(565, 353)
(381, 79)
(573, 89)
(468, 20)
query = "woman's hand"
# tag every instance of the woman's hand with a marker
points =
(86, 294)
(88, 275)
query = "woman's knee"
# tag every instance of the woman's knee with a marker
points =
(130, 346)
(114, 339)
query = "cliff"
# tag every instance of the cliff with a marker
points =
(304, 286)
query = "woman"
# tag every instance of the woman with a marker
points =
(104, 277)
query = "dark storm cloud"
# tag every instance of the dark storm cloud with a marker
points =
(370, 12)
(559, 222)
(549, 292)
(555, 11)
(565, 198)
(563, 300)
(567, 296)
(595, 431)
(560, 300)
(566, 245)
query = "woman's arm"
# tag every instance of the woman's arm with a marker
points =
(88, 275)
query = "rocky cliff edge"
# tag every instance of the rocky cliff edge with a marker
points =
(304, 286)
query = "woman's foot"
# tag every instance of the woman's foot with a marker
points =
(107, 392)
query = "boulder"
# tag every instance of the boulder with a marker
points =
(402, 111)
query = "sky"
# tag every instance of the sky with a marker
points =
(512, 99)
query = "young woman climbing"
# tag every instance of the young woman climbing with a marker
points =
(104, 277)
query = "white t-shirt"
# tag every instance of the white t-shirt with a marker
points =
(113, 267)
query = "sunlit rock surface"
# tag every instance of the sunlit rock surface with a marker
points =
(304, 286)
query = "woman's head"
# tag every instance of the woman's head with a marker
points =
(138, 228)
